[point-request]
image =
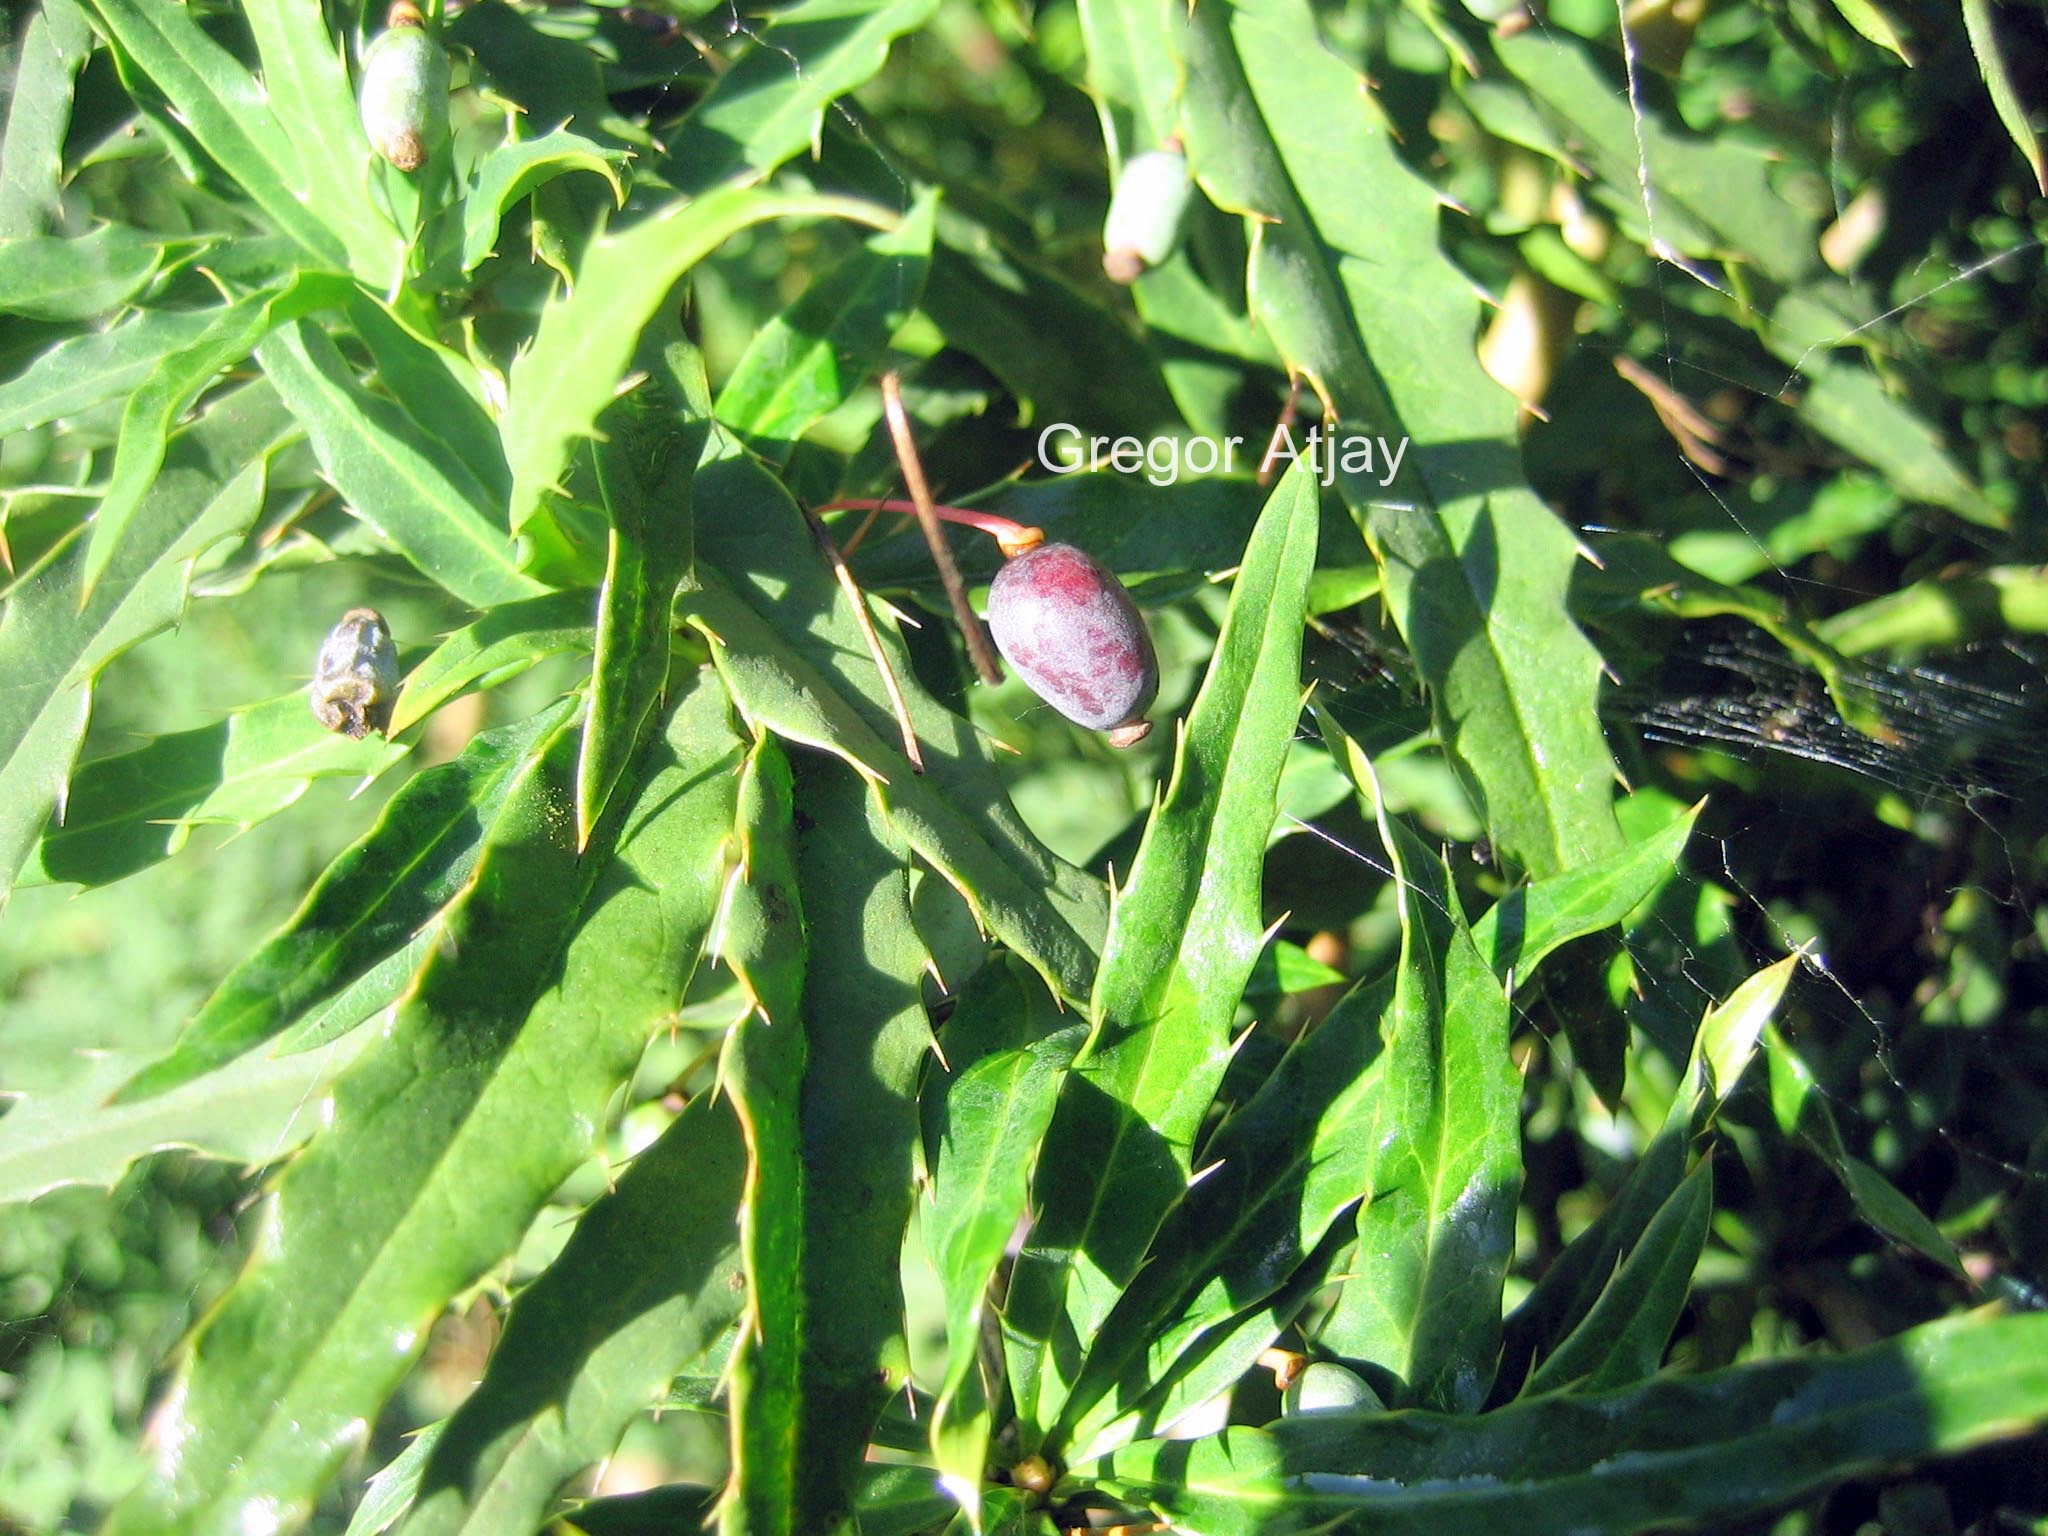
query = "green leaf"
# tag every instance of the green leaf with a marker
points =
(369, 904)
(796, 664)
(1707, 1450)
(513, 170)
(823, 1070)
(1571, 1287)
(1532, 921)
(985, 1116)
(306, 81)
(1280, 1175)
(83, 371)
(1436, 1222)
(1622, 1339)
(426, 504)
(171, 388)
(865, 1039)
(54, 641)
(223, 108)
(441, 391)
(585, 339)
(1849, 406)
(647, 1287)
(1980, 21)
(805, 362)
(452, 1128)
(125, 812)
(1183, 939)
(761, 1070)
(645, 466)
(54, 45)
(253, 1113)
(390, 1490)
(45, 277)
(1802, 1110)
(497, 647)
(1712, 198)
(769, 104)
(1874, 24)
(1347, 278)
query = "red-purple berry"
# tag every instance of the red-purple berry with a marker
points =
(1072, 632)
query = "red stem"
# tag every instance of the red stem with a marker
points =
(1013, 537)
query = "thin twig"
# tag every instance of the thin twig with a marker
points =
(858, 599)
(1284, 427)
(928, 519)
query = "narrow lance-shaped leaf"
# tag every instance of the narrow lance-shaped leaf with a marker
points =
(769, 104)
(53, 645)
(1347, 279)
(797, 664)
(1622, 1338)
(646, 1288)
(1436, 1222)
(306, 84)
(407, 488)
(1182, 943)
(1560, 1301)
(253, 1113)
(83, 371)
(496, 648)
(644, 468)
(1980, 20)
(761, 936)
(442, 391)
(370, 903)
(1704, 1451)
(1801, 1109)
(805, 362)
(1007, 1047)
(162, 50)
(586, 338)
(171, 388)
(125, 812)
(865, 1039)
(54, 45)
(48, 277)
(451, 1130)
(1288, 1165)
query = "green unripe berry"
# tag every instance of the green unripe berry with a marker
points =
(1145, 213)
(1324, 1386)
(405, 95)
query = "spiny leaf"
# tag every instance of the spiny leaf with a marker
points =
(646, 1288)
(125, 812)
(53, 644)
(985, 1122)
(1347, 278)
(452, 1128)
(586, 338)
(496, 648)
(1182, 943)
(252, 1113)
(371, 902)
(1705, 1450)
(1436, 1218)
(396, 480)
(54, 45)
(645, 467)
